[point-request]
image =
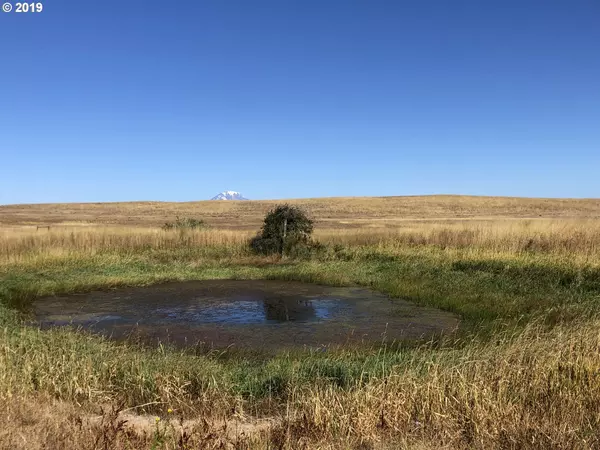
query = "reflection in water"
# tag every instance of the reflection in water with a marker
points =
(250, 311)
(280, 310)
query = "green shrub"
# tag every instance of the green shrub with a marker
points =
(286, 230)
(187, 223)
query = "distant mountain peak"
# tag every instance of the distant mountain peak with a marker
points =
(229, 195)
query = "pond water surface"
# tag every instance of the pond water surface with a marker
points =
(244, 313)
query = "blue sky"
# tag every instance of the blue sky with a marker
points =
(148, 100)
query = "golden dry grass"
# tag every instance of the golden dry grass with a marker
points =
(578, 238)
(537, 389)
(23, 244)
(328, 212)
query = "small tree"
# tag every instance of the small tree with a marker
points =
(284, 228)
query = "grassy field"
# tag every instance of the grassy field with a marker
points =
(523, 371)
(371, 212)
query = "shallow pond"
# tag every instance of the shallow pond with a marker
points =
(244, 313)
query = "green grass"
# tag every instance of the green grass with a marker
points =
(499, 297)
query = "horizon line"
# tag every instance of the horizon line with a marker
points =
(307, 198)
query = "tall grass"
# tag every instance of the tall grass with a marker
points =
(535, 389)
(18, 245)
(578, 238)
(523, 374)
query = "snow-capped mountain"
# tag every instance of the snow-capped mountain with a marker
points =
(229, 195)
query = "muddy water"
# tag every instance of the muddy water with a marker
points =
(255, 314)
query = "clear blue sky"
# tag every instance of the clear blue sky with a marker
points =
(178, 100)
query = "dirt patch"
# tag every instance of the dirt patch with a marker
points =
(41, 423)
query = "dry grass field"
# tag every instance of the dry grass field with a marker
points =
(328, 212)
(522, 372)
(578, 239)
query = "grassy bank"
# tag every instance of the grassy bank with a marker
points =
(522, 372)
